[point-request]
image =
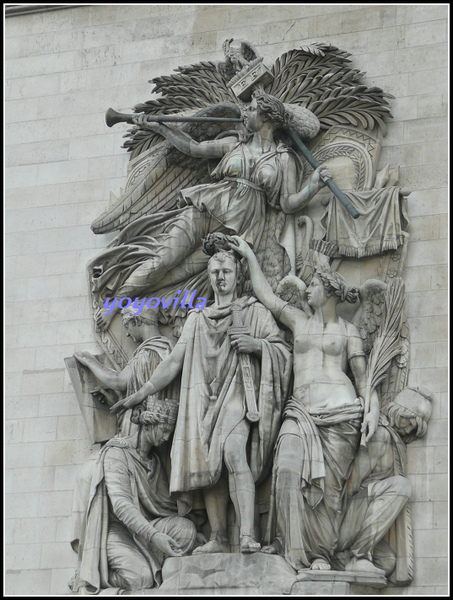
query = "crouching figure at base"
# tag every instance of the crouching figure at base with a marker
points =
(131, 522)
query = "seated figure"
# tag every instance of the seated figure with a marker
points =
(131, 523)
(379, 491)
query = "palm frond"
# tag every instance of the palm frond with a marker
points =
(388, 342)
(320, 78)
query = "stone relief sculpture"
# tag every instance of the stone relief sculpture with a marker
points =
(258, 188)
(321, 422)
(378, 492)
(153, 348)
(131, 521)
(229, 409)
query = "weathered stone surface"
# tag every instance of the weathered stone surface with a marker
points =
(256, 574)
(58, 60)
(227, 574)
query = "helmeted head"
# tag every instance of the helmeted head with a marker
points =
(133, 323)
(156, 418)
(410, 412)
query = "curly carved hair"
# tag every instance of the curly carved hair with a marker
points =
(302, 120)
(335, 284)
(273, 107)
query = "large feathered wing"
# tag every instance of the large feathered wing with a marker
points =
(160, 170)
(320, 77)
(369, 316)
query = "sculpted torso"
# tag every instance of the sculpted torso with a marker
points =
(320, 362)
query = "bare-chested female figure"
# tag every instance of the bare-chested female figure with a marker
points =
(322, 421)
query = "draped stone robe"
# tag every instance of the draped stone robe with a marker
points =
(211, 382)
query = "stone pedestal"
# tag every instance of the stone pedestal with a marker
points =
(255, 574)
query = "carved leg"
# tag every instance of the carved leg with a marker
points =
(241, 486)
(171, 259)
(386, 499)
(216, 502)
(128, 568)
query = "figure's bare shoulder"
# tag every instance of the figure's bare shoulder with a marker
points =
(351, 329)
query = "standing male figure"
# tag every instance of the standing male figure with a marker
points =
(212, 430)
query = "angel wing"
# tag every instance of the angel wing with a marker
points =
(369, 315)
(161, 170)
(190, 89)
(319, 77)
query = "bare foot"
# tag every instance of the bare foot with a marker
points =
(271, 549)
(363, 565)
(212, 547)
(249, 545)
(320, 564)
(274, 548)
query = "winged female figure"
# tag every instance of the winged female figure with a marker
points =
(257, 179)
(251, 173)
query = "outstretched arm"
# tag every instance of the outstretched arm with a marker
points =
(108, 377)
(167, 370)
(263, 291)
(182, 141)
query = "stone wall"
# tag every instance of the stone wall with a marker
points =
(64, 68)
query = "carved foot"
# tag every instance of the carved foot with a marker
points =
(271, 548)
(320, 564)
(363, 565)
(212, 547)
(249, 545)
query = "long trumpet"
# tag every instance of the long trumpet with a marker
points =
(112, 117)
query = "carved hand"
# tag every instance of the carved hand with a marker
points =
(142, 121)
(166, 544)
(86, 358)
(241, 247)
(129, 402)
(369, 425)
(245, 343)
(319, 176)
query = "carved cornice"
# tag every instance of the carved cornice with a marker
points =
(15, 10)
